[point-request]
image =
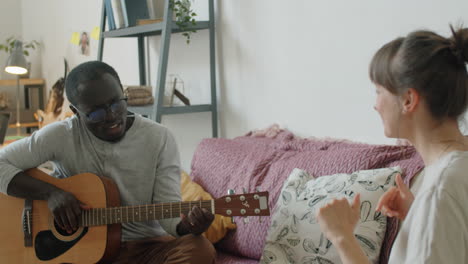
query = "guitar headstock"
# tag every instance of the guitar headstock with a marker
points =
(247, 204)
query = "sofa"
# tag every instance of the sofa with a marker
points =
(263, 161)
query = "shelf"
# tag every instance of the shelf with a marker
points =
(31, 124)
(186, 109)
(26, 115)
(150, 30)
(148, 110)
(12, 82)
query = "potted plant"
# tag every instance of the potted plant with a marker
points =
(185, 17)
(9, 44)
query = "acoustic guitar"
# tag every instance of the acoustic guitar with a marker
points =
(29, 234)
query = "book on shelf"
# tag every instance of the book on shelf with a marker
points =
(124, 12)
(117, 12)
(110, 14)
(133, 10)
(156, 9)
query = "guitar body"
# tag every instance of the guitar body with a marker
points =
(51, 245)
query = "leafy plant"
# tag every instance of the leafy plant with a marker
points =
(185, 17)
(10, 44)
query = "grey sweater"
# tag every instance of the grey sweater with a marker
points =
(144, 164)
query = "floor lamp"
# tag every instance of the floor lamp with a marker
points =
(17, 65)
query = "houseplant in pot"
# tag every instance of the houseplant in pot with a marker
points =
(185, 16)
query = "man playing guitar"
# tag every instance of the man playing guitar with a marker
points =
(103, 138)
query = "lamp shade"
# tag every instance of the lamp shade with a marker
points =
(16, 63)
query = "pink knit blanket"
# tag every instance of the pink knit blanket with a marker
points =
(262, 162)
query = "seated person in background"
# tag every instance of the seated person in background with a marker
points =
(422, 91)
(57, 108)
(140, 155)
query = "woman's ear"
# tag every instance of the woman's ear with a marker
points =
(410, 100)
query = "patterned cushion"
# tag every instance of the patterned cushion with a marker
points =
(294, 235)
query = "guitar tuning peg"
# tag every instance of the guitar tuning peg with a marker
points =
(231, 192)
(246, 220)
(244, 189)
(260, 219)
(257, 189)
(232, 220)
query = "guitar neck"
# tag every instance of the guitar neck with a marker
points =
(140, 213)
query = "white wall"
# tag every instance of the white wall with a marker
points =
(302, 64)
(10, 25)
(10, 21)
(52, 23)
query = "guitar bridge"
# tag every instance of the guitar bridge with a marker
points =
(27, 223)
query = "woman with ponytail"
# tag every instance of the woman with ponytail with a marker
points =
(422, 84)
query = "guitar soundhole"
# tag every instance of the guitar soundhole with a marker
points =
(62, 231)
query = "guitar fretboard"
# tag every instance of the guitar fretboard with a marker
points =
(140, 213)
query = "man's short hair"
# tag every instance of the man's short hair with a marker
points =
(88, 71)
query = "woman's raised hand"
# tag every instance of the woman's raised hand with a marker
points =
(339, 218)
(397, 201)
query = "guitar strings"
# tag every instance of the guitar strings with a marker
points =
(137, 212)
